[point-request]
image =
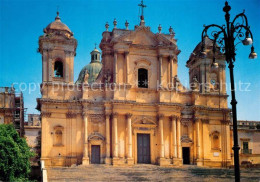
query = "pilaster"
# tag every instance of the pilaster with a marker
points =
(85, 160)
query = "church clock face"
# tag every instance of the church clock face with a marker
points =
(213, 81)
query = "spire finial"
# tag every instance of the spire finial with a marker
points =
(95, 45)
(142, 11)
(159, 28)
(58, 13)
(126, 25)
(115, 23)
(107, 26)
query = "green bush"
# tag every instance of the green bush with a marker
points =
(14, 155)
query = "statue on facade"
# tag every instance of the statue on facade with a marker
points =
(195, 83)
(86, 77)
(107, 76)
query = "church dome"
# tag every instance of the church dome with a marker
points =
(92, 69)
(57, 25)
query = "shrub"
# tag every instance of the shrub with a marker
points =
(14, 155)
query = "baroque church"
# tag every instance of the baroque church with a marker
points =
(128, 105)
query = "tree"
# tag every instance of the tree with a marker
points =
(14, 155)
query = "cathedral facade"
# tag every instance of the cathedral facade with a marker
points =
(130, 107)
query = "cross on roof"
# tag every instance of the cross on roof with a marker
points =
(142, 8)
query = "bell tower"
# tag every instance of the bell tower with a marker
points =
(205, 75)
(58, 48)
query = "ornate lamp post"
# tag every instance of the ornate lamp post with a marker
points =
(227, 37)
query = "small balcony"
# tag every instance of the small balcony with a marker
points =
(246, 151)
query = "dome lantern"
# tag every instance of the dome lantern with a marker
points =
(92, 70)
(95, 55)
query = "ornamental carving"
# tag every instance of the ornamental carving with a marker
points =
(174, 117)
(71, 115)
(46, 114)
(160, 116)
(95, 118)
(96, 136)
(186, 122)
(129, 115)
(143, 120)
(186, 139)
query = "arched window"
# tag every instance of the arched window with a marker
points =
(58, 137)
(58, 69)
(142, 78)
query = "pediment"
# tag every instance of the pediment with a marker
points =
(96, 136)
(186, 139)
(143, 36)
(141, 121)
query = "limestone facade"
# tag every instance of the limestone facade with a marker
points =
(137, 111)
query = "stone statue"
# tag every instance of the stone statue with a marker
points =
(86, 77)
(195, 83)
(107, 77)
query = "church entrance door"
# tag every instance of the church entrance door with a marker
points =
(143, 148)
(186, 155)
(95, 154)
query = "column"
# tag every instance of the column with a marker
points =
(228, 142)
(66, 63)
(50, 69)
(85, 160)
(179, 138)
(130, 159)
(160, 69)
(129, 133)
(171, 69)
(198, 136)
(127, 66)
(161, 135)
(115, 68)
(107, 138)
(174, 137)
(115, 139)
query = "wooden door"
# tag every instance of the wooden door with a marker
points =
(95, 154)
(186, 155)
(143, 148)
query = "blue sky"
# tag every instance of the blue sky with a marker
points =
(22, 22)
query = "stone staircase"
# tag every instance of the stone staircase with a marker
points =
(147, 173)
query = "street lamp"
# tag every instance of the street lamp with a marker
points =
(226, 37)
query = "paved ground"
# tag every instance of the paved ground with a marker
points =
(148, 173)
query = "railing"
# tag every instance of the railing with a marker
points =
(246, 151)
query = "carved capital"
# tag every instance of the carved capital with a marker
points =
(84, 114)
(126, 53)
(115, 52)
(160, 56)
(196, 119)
(205, 120)
(46, 114)
(173, 117)
(71, 115)
(129, 115)
(171, 57)
(107, 115)
(70, 53)
(160, 116)
(114, 115)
